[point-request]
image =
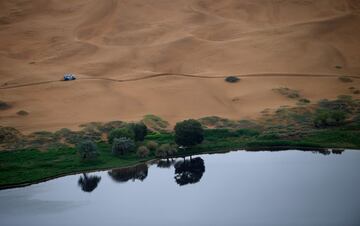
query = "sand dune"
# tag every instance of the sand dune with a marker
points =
(169, 58)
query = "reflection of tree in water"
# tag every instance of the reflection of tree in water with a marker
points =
(189, 171)
(138, 172)
(165, 163)
(88, 183)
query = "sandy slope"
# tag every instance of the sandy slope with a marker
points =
(126, 39)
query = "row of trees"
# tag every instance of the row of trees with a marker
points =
(124, 140)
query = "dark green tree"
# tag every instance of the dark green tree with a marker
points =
(140, 130)
(188, 133)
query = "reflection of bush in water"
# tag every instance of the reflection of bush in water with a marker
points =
(138, 172)
(189, 171)
(165, 163)
(88, 183)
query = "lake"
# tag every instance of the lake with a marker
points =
(236, 188)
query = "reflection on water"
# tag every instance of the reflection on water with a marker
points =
(187, 171)
(88, 183)
(138, 172)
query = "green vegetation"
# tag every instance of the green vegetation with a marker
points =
(140, 130)
(121, 132)
(142, 151)
(232, 79)
(188, 133)
(87, 150)
(122, 146)
(156, 123)
(326, 124)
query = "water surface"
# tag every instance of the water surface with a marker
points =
(236, 188)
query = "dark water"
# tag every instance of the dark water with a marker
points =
(237, 188)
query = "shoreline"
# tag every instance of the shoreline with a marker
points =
(152, 159)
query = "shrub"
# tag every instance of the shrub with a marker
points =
(122, 145)
(303, 101)
(232, 79)
(121, 132)
(4, 105)
(22, 113)
(142, 151)
(140, 130)
(172, 150)
(87, 150)
(290, 93)
(155, 122)
(345, 79)
(163, 151)
(152, 145)
(329, 118)
(188, 133)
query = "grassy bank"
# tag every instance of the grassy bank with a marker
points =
(41, 155)
(27, 166)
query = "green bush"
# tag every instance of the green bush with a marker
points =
(121, 132)
(139, 129)
(122, 146)
(163, 151)
(188, 133)
(142, 151)
(87, 150)
(152, 145)
(329, 118)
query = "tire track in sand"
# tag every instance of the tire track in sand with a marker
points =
(267, 75)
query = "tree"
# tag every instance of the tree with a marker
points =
(188, 133)
(88, 183)
(142, 151)
(121, 132)
(87, 150)
(139, 129)
(122, 145)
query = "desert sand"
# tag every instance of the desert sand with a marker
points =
(169, 58)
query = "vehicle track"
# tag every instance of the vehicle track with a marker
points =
(290, 75)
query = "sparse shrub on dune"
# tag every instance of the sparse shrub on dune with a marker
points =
(290, 93)
(155, 123)
(22, 113)
(345, 79)
(232, 79)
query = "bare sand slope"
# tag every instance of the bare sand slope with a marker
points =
(272, 42)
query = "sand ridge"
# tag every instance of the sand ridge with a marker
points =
(136, 57)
